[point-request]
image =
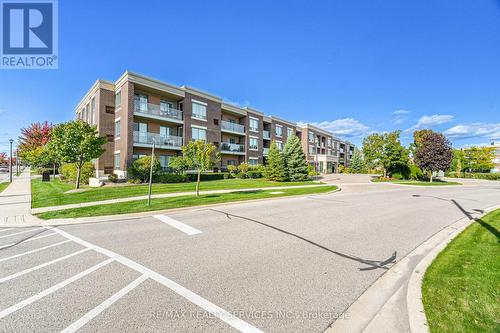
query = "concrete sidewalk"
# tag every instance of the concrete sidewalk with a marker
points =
(15, 201)
(165, 195)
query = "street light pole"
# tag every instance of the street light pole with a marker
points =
(151, 173)
(17, 161)
(10, 160)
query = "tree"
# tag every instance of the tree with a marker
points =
(200, 156)
(295, 160)
(433, 153)
(478, 159)
(32, 141)
(357, 161)
(76, 142)
(275, 168)
(3, 158)
(385, 151)
(141, 168)
(178, 164)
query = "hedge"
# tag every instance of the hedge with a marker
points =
(207, 176)
(172, 178)
(487, 176)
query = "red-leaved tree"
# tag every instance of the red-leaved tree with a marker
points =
(34, 136)
(433, 153)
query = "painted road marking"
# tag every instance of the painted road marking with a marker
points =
(52, 289)
(29, 270)
(32, 251)
(28, 240)
(178, 225)
(208, 306)
(103, 306)
(6, 229)
(21, 232)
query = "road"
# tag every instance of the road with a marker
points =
(284, 265)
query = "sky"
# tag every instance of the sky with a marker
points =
(352, 67)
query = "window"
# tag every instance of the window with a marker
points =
(254, 124)
(199, 111)
(311, 136)
(289, 132)
(118, 99)
(165, 132)
(164, 161)
(252, 144)
(117, 161)
(253, 161)
(280, 145)
(329, 142)
(231, 162)
(141, 102)
(279, 130)
(198, 133)
(311, 150)
(110, 109)
(166, 106)
(92, 108)
(117, 128)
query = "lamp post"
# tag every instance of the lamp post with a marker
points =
(10, 160)
(151, 173)
(17, 161)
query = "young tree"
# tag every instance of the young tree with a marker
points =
(295, 160)
(373, 150)
(275, 168)
(434, 153)
(357, 161)
(200, 156)
(141, 168)
(76, 142)
(478, 159)
(178, 164)
(32, 141)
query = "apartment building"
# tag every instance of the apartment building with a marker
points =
(136, 111)
(496, 159)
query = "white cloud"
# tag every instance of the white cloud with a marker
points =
(430, 121)
(400, 116)
(238, 104)
(347, 127)
(474, 130)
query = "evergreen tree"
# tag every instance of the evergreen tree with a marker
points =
(275, 169)
(357, 162)
(295, 160)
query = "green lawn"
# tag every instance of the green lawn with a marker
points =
(181, 201)
(52, 193)
(416, 182)
(3, 186)
(461, 289)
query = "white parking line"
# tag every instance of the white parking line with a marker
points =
(29, 270)
(103, 306)
(178, 225)
(208, 306)
(32, 251)
(28, 240)
(6, 229)
(52, 289)
(21, 232)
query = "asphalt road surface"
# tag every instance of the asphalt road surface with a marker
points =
(284, 265)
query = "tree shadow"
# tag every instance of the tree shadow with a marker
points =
(490, 228)
(373, 264)
(26, 238)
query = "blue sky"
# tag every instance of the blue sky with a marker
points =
(353, 67)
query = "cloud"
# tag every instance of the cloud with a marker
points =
(400, 116)
(474, 130)
(430, 121)
(238, 104)
(347, 127)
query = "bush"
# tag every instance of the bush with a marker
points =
(241, 175)
(113, 178)
(243, 168)
(477, 175)
(141, 168)
(134, 181)
(397, 176)
(173, 178)
(227, 175)
(311, 171)
(254, 174)
(206, 176)
(68, 172)
(233, 170)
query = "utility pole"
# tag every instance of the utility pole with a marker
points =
(151, 173)
(10, 160)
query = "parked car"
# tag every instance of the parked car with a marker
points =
(4, 169)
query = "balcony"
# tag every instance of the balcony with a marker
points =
(266, 135)
(146, 139)
(232, 148)
(265, 151)
(227, 126)
(154, 111)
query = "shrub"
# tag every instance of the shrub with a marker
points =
(254, 174)
(227, 175)
(141, 168)
(206, 176)
(397, 176)
(113, 178)
(486, 176)
(241, 175)
(243, 168)
(311, 171)
(69, 171)
(134, 181)
(415, 172)
(233, 170)
(173, 178)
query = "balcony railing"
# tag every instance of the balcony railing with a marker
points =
(232, 147)
(159, 140)
(265, 151)
(266, 135)
(155, 110)
(233, 127)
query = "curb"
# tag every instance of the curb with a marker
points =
(131, 216)
(415, 307)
